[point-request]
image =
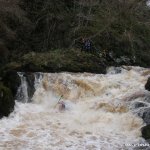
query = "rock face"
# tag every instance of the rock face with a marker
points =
(147, 85)
(8, 89)
(6, 101)
(12, 81)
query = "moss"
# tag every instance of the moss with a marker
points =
(71, 60)
(63, 60)
(6, 101)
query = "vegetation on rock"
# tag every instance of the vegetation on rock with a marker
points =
(119, 26)
(6, 101)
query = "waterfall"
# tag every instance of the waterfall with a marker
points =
(38, 78)
(22, 93)
(29, 82)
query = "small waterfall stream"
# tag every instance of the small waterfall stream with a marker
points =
(22, 93)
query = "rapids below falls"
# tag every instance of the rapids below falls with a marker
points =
(100, 112)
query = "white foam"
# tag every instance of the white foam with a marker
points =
(97, 115)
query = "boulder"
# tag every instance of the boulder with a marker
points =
(145, 115)
(6, 101)
(30, 83)
(141, 108)
(146, 132)
(114, 70)
(147, 85)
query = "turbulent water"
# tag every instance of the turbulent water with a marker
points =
(98, 114)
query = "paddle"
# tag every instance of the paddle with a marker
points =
(58, 101)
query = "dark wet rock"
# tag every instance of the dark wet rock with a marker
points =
(6, 101)
(30, 84)
(67, 60)
(139, 104)
(141, 108)
(147, 98)
(145, 115)
(123, 60)
(147, 85)
(12, 80)
(146, 132)
(118, 70)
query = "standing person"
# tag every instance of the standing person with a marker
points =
(88, 45)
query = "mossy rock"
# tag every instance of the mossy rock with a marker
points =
(12, 80)
(72, 60)
(6, 101)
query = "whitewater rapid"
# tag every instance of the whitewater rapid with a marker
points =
(98, 113)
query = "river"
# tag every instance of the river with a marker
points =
(98, 113)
